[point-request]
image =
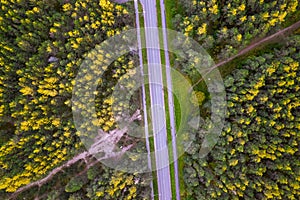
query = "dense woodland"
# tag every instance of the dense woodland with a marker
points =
(257, 156)
(225, 27)
(43, 44)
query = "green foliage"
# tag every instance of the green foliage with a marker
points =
(92, 173)
(111, 184)
(75, 197)
(257, 155)
(53, 195)
(42, 45)
(74, 184)
(224, 27)
(197, 98)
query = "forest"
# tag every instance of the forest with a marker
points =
(42, 46)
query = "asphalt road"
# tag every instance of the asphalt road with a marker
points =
(157, 99)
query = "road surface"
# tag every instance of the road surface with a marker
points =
(156, 88)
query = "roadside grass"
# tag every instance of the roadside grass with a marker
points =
(172, 8)
(163, 62)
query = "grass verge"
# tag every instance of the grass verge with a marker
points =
(172, 8)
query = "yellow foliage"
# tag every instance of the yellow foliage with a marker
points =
(244, 18)
(99, 193)
(202, 29)
(292, 7)
(233, 11)
(56, 122)
(189, 28)
(242, 7)
(273, 22)
(239, 37)
(67, 7)
(214, 9)
(229, 138)
(27, 91)
(282, 16)
(233, 162)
